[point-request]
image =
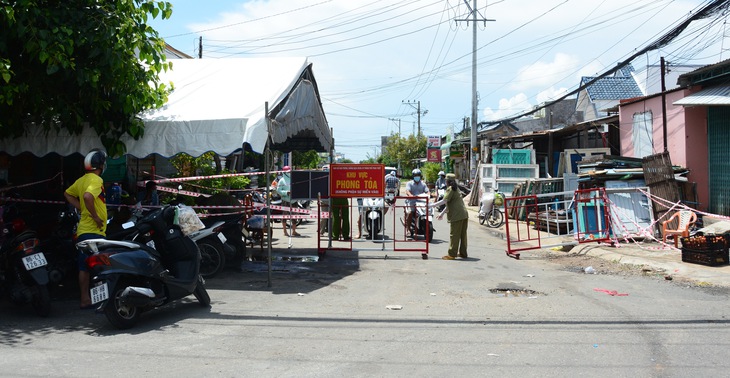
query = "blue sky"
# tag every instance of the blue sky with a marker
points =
(371, 56)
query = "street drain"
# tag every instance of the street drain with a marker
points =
(515, 292)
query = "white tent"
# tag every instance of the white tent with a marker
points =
(216, 105)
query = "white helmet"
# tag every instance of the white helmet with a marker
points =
(441, 173)
(416, 172)
(95, 159)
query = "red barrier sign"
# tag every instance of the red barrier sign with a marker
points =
(357, 180)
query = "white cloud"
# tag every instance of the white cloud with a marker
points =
(508, 107)
(551, 94)
(544, 74)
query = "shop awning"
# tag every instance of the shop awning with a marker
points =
(707, 97)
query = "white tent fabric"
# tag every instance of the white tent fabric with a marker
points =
(216, 105)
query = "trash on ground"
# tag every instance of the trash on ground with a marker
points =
(529, 275)
(301, 294)
(589, 270)
(612, 293)
(433, 294)
(394, 307)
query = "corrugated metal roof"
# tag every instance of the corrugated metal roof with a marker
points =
(707, 96)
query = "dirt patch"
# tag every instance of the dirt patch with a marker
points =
(578, 263)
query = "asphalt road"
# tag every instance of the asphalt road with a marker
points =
(489, 315)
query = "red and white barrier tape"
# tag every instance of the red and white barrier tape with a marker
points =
(183, 179)
(10, 199)
(5, 189)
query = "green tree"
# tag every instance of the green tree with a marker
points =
(305, 159)
(67, 64)
(204, 165)
(431, 171)
(404, 150)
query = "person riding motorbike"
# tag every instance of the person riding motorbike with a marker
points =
(414, 188)
(441, 181)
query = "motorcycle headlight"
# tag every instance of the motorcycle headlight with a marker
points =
(373, 215)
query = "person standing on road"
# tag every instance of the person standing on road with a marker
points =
(340, 213)
(457, 216)
(284, 190)
(87, 195)
(414, 188)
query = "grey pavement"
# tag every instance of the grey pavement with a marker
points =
(645, 253)
(651, 254)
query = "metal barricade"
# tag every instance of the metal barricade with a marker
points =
(381, 223)
(556, 219)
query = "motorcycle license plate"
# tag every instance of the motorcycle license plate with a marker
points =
(99, 293)
(34, 261)
(222, 238)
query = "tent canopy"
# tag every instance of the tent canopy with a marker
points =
(216, 105)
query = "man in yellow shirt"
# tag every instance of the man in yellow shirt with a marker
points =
(87, 195)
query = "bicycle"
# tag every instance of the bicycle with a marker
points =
(489, 211)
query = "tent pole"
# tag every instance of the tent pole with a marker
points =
(267, 162)
(332, 160)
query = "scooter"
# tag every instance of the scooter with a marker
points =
(440, 192)
(131, 277)
(210, 243)
(374, 210)
(23, 273)
(59, 248)
(422, 221)
(227, 238)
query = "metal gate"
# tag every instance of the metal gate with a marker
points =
(391, 234)
(556, 219)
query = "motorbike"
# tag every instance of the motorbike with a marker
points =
(59, 247)
(373, 212)
(219, 242)
(422, 222)
(277, 201)
(440, 191)
(132, 277)
(23, 273)
(489, 211)
(210, 243)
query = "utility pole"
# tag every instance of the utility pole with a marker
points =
(663, 67)
(418, 110)
(399, 137)
(200, 48)
(473, 12)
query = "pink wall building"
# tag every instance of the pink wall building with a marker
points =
(642, 134)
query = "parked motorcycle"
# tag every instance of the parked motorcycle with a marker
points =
(23, 273)
(422, 222)
(59, 248)
(210, 243)
(131, 277)
(221, 241)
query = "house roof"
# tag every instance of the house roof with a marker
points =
(719, 95)
(612, 88)
(707, 73)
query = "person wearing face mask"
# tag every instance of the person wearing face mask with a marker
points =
(414, 188)
(457, 216)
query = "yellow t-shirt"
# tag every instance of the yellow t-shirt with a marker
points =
(93, 184)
